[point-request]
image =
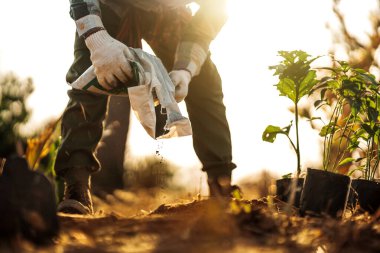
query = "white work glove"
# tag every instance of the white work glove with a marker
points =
(181, 80)
(109, 58)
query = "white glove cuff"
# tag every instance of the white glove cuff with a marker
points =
(88, 23)
(97, 39)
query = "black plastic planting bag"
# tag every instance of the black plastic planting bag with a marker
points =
(284, 190)
(365, 193)
(324, 193)
(27, 203)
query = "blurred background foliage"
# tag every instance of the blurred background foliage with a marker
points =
(13, 112)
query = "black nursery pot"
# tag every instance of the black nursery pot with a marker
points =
(324, 193)
(27, 204)
(367, 193)
(353, 199)
(283, 190)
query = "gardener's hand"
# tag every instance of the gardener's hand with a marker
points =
(181, 80)
(109, 58)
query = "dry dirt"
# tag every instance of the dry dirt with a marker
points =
(159, 221)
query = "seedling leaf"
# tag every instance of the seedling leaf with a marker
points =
(270, 133)
(347, 161)
(286, 88)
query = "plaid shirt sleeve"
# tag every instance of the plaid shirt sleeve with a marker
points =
(203, 28)
(87, 16)
(81, 8)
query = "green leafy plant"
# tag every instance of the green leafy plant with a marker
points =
(370, 136)
(41, 152)
(354, 113)
(296, 80)
(41, 149)
(367, 127)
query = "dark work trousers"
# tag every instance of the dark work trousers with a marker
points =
(82, 122)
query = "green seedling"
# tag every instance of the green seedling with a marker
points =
(296, 80)
(354, 117)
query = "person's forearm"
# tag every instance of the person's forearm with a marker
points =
(198, 35)
(109, 57)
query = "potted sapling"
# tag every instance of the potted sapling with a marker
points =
(366, 188)
(296, 80)
(326, 191)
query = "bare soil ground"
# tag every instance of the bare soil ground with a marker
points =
(159, 221)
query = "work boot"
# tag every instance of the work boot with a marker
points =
(77, 195)
(219, 186)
